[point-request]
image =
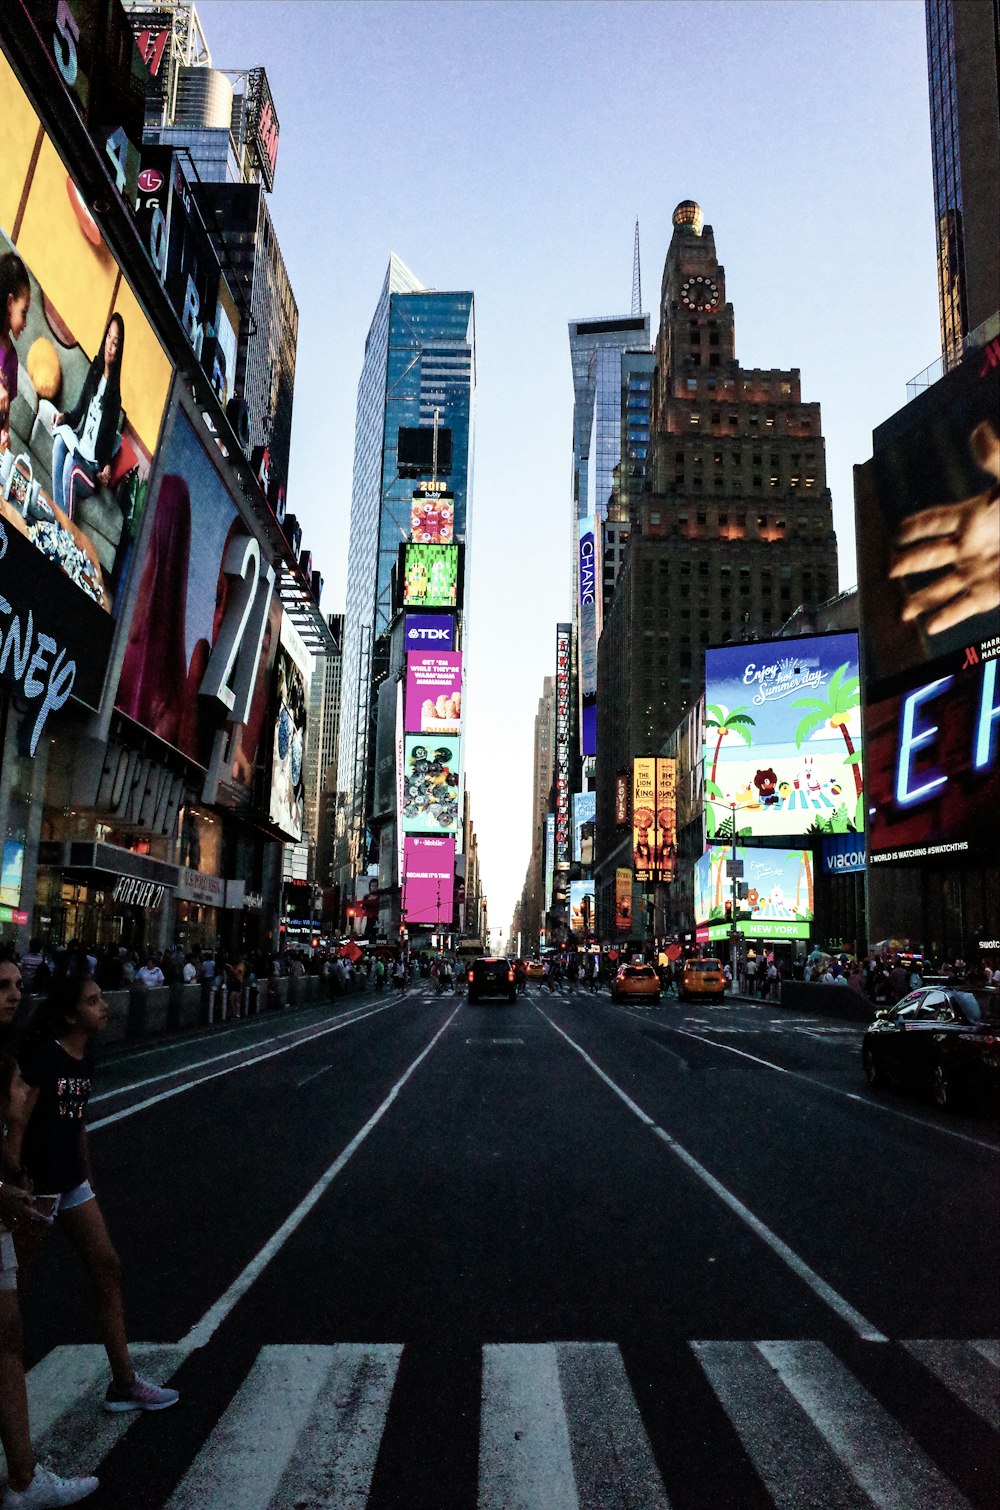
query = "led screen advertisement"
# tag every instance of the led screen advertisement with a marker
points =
(929, 586)
(550, 858)
(654, 819)
(430, 785)
(623, 900)
(205, 629)
(83, 387)
(434, 692)
(429, 631)
(428, 879)
(588, 632)
(584, 818)
(429, 575)
(432, 517)
(783, 737)
(779, 900)
(561, 775)
(293, 672)
(581, 908)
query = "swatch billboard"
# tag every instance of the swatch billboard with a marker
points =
(783, 737)
(430, 784)
(929, 587)
(434, 692)
(84, 385)
(778, 900)
(428, 879)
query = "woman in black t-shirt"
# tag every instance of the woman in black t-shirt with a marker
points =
(57, 1062)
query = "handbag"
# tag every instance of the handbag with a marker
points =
(18, 480)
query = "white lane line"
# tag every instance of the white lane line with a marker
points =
(963, 1371)
(833, 1090)
(314, 1076)
(525, 1461)
(788, 1256)
(794, 1464)
(304, 1429)
(213, 1318)
(297, 1034)
(244, 1064)
(612, 1458)
(988, 1348)
(884, 1461)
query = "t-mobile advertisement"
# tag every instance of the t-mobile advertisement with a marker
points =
(429, 631)
(428, 879)
(434, 692)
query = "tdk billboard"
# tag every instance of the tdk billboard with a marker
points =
(429, 631)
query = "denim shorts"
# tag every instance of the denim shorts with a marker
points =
(78, 1196)
(8, 1262)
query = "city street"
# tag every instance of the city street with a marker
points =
(412, 1253)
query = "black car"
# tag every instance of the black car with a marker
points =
(491, 977)
(938, 1039)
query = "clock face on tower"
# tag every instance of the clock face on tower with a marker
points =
(699, 293)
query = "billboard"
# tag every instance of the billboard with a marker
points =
(778, 885)
(584, 818)
(654, 819)
(561, 771)
(434, 692)
(431, 777)
(621, 799)
(929, 587)
(588, 622)
(432, 517)
(581, 908)
(260, 125)
(364, 909)
(429, 575)
(288, 791)
(783, 737)
(550, 859)
(844, 854)
(198, 665)
(428, 879)
(623, 901)
(84, 385)
(429, 631)
(12, 872)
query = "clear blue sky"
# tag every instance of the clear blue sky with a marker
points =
(507, 148)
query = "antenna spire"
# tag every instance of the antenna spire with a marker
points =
(636, 277)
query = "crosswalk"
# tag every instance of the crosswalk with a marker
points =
(560, 1426)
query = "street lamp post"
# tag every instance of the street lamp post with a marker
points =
(734, 932)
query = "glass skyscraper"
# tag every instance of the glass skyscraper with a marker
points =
(419, 358)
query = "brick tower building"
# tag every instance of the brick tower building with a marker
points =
(733, 532)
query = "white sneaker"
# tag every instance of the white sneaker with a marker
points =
(47, 1491)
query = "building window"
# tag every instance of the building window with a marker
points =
(654, 517)
(757, 482)
(692, 384)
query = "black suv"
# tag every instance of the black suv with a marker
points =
(491, 977)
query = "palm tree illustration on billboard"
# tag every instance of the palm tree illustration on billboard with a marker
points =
(783, 738)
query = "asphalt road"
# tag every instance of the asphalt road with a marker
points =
(412, 1254)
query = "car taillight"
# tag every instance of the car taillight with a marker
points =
(470, 977)
(510, 975)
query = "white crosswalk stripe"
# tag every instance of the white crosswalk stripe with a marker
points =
(559, 1425)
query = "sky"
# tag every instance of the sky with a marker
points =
(508, 148)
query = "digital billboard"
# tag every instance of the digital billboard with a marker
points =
(12, 872)
(779, 896)
(783, 737)
(429, 631)
(584, 818)
(623, 900)
(84, 385)
(431, 777)
(434, 692)
(561, 773)
(429, 575)
(550, 858)
(364, 909)
(929, 588)
(293, 673)
(428, 879)
(844, 854)
(204, 633)
(589, 588)
(654, 819)
(581, 908)
(432, 517)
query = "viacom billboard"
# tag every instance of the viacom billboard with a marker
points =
(429, 631)
(588, 635)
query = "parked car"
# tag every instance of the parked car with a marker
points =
(491, 977)
(938, 1040)
(535, 969)
(702, 978)
(636, 981)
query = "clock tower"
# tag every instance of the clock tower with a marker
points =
(696, 323)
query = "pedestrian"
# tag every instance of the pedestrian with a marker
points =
(399, 975)
(56, 1060)
(751, 973)
(150, 975)
(29, 1483)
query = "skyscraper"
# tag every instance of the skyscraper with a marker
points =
(963, 65)
(419, 373)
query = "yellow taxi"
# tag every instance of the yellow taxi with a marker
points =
(534, 970)
(702, 978)
(636, 982)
